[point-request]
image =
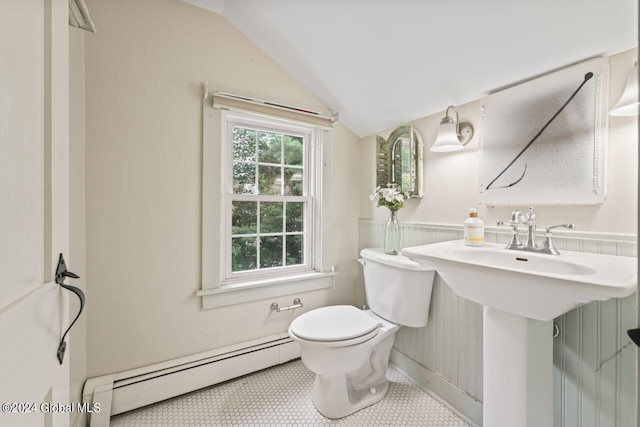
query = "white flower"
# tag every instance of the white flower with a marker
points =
(389, 197)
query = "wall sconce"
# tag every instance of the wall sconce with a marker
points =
(452, 135)
(627, 105)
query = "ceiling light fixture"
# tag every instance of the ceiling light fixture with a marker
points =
(452, 135)
(627, 105)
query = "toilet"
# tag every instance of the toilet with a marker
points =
(347, 348)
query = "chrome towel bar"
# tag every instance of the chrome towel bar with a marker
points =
(296, 304)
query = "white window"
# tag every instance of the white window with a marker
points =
(266, 200)
(269, 198)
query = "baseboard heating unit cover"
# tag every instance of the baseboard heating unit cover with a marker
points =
(124, 391)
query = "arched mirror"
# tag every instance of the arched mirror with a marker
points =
(399, 160)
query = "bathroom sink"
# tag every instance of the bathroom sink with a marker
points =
(536, 286)
(522, 292)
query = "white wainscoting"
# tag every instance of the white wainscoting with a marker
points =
(594, 360)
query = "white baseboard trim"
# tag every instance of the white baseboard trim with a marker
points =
(124, 391)
(462, 404)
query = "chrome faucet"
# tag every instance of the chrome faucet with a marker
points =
(529, 219)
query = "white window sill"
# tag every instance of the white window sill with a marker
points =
(239, 292)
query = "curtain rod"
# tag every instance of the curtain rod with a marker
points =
(314, 112)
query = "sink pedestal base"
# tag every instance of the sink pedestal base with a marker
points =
(517, 370)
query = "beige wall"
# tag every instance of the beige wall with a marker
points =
(451, 179)
(144, 73)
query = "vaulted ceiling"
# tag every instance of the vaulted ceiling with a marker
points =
(381, 63)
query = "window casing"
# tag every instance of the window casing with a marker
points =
(221, 285)
(269, 198)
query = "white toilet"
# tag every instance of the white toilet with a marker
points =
(347, 348)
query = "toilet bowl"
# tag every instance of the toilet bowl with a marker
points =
(347, 348)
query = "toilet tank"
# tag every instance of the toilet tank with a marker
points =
(397, 288)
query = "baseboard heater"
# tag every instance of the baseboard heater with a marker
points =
(122, 392)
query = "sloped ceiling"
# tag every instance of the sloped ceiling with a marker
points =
(382, 63)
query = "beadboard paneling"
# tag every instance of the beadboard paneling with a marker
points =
(594, 360)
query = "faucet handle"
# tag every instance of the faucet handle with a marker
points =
(547, 246)
(569, 226)
(515, 240)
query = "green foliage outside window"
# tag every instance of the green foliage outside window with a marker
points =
(267, 163)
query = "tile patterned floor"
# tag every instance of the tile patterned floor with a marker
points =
(281, 396)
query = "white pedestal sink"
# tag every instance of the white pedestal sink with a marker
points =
(522, 293)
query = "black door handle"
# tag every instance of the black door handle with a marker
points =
(61, 274)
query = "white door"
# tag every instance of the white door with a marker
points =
(34, 204)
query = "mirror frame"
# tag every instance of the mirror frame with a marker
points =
(389, 160)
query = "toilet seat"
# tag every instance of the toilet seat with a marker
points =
(334, 326)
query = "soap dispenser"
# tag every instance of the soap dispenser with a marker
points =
(473, 230)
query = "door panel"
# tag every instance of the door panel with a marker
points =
(30, 332)
(21, 148)
(33, 210)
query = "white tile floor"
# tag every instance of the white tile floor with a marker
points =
(281, 396)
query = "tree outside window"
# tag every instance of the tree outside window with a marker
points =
(269, 200)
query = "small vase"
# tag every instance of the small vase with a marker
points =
(392, 235)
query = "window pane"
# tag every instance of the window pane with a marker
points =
(244, 178)
(271, 252)
(271, 217)
(269, 147)
(244, 144)
(269, 168)
(244, 217)
(294, 216)
(293, 150)
(293, 182)
(243, 253)
(269, 180)
(294, 250)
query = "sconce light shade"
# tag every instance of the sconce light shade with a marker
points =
(452, 135)
(447, 139)
(627, 105)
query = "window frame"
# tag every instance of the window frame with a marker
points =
(309, 196)
(214, 292)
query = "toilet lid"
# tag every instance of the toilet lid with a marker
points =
(335, 323)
